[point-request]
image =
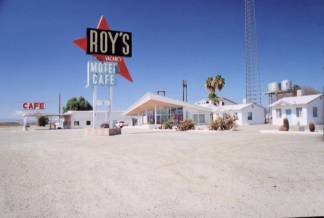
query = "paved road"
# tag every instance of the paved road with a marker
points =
(64, 173)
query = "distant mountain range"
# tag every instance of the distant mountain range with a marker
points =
(8, 120)
(15, 121)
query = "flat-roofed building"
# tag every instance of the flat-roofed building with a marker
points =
(82, 119)
(152, 110)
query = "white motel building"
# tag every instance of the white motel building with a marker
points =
(299, 110)
(82, 119)
(151, 110)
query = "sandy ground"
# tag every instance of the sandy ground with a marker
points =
(64, 173)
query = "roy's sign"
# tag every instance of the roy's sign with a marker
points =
(108, 42)
(33, 105)
(109, 48)
(106, 45)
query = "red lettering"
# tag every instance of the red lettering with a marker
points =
(30, 106)
(25, 105)
(41, 106)
(34, 106)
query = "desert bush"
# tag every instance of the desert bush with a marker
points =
(285, 126)
(104, 125)
(311, 127)
(223, 123)
(215, 124)
(186, 125)
(167, 124)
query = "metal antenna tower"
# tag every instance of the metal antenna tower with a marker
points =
(252, 75)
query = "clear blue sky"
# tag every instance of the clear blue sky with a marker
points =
(172, 40)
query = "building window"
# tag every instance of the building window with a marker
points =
(249, 115)
(88, 122)
(314, 111)
(195, 118)
(298, 112)
(202, 118)
(278, 113)
(76, 123)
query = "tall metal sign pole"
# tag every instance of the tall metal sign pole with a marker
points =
(109, 48)
(101, 74)
(110, 105)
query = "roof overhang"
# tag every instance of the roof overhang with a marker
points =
(150, 100)
(149, 104)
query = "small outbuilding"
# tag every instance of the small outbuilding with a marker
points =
(246, 114)
(299, 110)
(81, 119)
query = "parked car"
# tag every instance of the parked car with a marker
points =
(121, 124)
(58, 125)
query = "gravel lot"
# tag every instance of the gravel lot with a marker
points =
(64, 173)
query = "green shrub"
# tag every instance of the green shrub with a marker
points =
(42, 121)
(223, 123)
(167, 124)
(186, 125)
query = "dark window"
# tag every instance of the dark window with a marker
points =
(88, 123)
(298, 112)
(76, 123)
(249, 115)
(314, 111)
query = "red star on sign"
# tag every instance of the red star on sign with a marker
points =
(82, 43)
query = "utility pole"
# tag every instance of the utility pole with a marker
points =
(59, 104)
(184, 90)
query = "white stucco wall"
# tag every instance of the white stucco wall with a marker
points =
(319, 104)
(84, 116)
(258, 115)
(306, 116)
(293, 119)
(239, 118)
(188, 114)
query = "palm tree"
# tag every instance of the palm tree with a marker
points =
(210, 85)
(220, 83)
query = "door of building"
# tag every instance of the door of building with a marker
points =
(288, 115)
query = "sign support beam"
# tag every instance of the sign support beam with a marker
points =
(110, 106)
(94, 103)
